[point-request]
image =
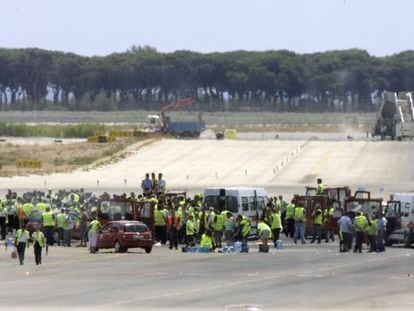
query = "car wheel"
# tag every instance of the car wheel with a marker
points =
(118, 247)
(148, 250)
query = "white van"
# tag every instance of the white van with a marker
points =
(247, 201)
(400, 216)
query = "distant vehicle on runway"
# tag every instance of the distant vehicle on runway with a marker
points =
(123, 234)
(400, 216)
(248, 201)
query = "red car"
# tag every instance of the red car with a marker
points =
(124, 234)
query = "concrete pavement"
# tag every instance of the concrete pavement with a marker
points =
(297, 277)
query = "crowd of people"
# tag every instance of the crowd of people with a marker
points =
(64, 215)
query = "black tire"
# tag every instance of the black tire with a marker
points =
(389, 242)
(148, 249)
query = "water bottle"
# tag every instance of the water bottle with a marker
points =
(279, 244)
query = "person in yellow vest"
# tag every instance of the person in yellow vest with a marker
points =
(27, 210)
(371, 231)
(38, 241)
(243, 229)
(317, 223)
(328, 224)
(360, 226)
(41, 207)
(49, 225)
(3, 219)
(290, 219)
(218, 225)
(264, 233)
(276, 224)
(61, 224)
(300, 219)
(207, 240)
(190, 233)
(229, 229)
(160, 223)
(94, 227)
(21, 242)
(320, 188)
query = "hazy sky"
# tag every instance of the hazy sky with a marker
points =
(101, 27)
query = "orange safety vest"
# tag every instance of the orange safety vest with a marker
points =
(174, 221)
(20, 213)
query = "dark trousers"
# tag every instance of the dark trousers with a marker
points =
(49, 235)
(38, 253)
(359, 237)
(218, 235)
(3, 227)
(161, 234)
(21, 248)
(173, 238)
(290, 227)
(316, 232)
(380, 241)
(276, 235)
(190, 241)
(11, 224)
(372, 243)
(346, 241)
(61, 232)
(329, 233)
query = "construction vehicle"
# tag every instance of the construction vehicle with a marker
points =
(400, 219)
(362, 201)
(395, 117)
(161, 124)
(332, 197)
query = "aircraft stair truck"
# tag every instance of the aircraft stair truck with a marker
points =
(395, 117)
(400, 216)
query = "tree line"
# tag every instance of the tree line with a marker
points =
(143, 78)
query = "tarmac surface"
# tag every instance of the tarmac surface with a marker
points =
(282, 166)
(308, 276)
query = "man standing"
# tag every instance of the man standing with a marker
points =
(317, 223)
(3, 219)
(300, 218)
(345, 227)
(360, 226)
(94, 228)
(290, 219)
(160, 223)
(371, 230)
(173, 228)
(49, 225)
(162, 184)
(146, 185)
(320, 187)
(381, 228)
(21, 242)
(327, 220)
(38, 240)
(60, 224)
(276, 224)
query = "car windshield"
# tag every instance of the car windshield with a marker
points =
(115, 210)
(136, 228)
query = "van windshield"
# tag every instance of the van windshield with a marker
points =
(221, 203)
